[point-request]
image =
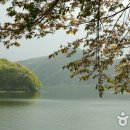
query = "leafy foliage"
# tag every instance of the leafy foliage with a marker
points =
(14, 77)
(106, 23)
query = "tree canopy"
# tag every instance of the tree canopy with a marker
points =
(14, 77)
(106, 23)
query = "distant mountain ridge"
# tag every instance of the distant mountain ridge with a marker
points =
(51, 69)
(57, 82)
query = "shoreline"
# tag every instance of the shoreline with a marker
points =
(12, 92)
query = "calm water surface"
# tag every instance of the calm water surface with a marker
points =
(47, 114)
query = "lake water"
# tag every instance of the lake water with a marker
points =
(48, 114)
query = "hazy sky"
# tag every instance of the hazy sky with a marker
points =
(35, 47)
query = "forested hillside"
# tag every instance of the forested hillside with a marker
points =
(57, 82)
(15, 77)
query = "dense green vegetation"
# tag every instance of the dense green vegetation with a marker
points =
(57, 82)
(14, 77)
(51, 73)
(105, 23)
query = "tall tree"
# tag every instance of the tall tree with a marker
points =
(106, 23)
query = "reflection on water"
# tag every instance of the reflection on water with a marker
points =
(18, 103)
(29, 112)
(20, 95)
(44, 114)
(17, 99)
(20, 111)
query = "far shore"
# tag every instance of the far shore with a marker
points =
(12, 91)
